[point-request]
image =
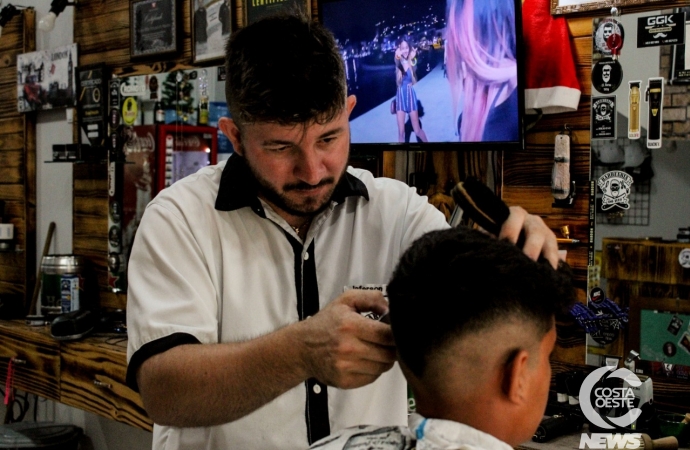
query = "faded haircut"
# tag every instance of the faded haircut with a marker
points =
(454, 282)
(284, 69)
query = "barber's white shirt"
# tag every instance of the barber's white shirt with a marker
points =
(202, 274)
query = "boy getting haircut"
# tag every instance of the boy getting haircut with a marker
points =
(474, 325)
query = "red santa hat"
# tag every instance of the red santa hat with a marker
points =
(551, 84)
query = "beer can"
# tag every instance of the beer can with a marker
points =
(69, 298)
(53, 269)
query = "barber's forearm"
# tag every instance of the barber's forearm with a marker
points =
(204, 385)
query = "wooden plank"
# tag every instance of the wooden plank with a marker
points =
(579, 139)
(578, 225)
(388, 164)
(8, 108)
(11, 36)
(668, 269)
(580, 26)
(578, 120)
(535, 166)
(109, 19)
(12, 125)
(671, 395)
(41, 370)
(92, 206)
(582, 50)
(14, 209)
(538, 200)
(12, 159)
(11, 142)
(8, 77)
(29, 29)
(11, 175)
(89, 10)
(577, 256)
(91, 188)
(19, 236)
(107, 37)
(30, 193)
(622, 291)
(93, 379)
(584, 78)
(92, 227)
(12, 273)
(8, 58)
(95, 247)
(12, 288)
(90, 172)
(11, 192)
(112, 300)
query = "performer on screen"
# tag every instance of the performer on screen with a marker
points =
(482, 69)
(406, 98)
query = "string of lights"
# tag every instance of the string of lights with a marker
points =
(47, 23)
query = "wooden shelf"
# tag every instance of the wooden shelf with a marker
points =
(88, 374)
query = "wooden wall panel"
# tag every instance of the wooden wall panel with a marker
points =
(90, 234)
(527, 182)
(17, 169)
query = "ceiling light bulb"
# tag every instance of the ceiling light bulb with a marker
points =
(47, 23)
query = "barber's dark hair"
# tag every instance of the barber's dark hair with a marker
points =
(457, 281)
(284, 69)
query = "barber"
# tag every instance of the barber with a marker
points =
(243, 309)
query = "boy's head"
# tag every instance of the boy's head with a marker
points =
(474, 323)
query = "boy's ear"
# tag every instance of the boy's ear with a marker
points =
(516, 377)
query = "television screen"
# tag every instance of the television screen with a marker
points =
(430, 73)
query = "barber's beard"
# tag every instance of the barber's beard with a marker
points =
(279, 198)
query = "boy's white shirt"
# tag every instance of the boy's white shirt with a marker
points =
(422, 434)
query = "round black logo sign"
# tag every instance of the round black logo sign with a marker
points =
(607, 75)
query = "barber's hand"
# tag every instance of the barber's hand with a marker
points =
(345, 349)
(539, 239)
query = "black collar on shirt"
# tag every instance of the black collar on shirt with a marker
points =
(238, 188)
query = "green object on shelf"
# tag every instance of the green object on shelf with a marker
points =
(672, 425)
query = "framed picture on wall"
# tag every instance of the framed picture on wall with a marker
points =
(253, 10)
(658, 328)
(574, 6)
(211, 27)
(46, 79)
(154, 29)
(680, 64)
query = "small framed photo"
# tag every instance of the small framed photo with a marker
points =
(154, 29)
(211, 27)
(253, 10)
